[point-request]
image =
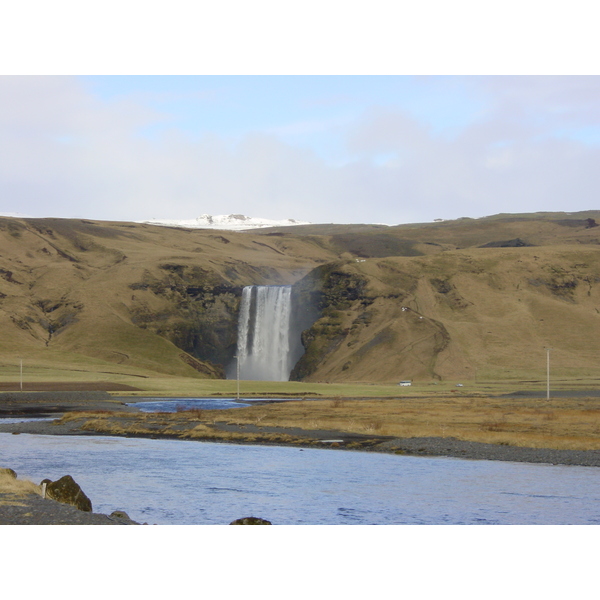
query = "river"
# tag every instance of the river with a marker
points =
(189, 482)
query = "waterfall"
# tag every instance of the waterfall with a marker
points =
(264, 344)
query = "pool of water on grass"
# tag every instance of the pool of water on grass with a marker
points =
(179, 404)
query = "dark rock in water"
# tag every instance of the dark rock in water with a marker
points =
(67, 491)
(120, 514)
(251, 521)
(10, 472)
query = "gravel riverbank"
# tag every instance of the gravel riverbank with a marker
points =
(425, 446)
(437, 446)
(53, 404)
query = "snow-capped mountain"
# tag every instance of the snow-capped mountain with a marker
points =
(230, 222)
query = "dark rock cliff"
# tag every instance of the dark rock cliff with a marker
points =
(200, 316)
(320, 296)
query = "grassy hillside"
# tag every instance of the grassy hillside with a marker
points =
(473, 314)
(427, 302)
(135, 296)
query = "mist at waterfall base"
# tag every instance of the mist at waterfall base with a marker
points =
(268, 343)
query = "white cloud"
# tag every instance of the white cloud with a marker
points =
(66, 153)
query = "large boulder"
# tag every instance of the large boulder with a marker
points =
(120, 514)
(67, 491)
(250, 521)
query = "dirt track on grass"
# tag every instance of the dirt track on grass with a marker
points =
(40, 404)
(67, 386)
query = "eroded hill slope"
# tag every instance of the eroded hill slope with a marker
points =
(144, 297)
(462, 314)
(457, 300)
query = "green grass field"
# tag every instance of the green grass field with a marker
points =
(84, 370)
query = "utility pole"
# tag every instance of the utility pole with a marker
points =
(237, 367)
(548, 373)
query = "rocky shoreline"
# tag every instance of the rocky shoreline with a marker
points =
(437, 446)
(35, 510)
(60, 502)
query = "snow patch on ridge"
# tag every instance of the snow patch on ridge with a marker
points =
(228, 222)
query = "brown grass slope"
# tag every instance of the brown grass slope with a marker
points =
(477, 313)
(535, 228)
(125, 298)
(98, 294)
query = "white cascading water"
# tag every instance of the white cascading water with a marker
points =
(263, 346)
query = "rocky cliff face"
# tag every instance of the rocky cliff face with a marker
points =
(198, 314)
(321, 297)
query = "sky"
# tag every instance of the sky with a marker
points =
(343, 149)
(323, 112)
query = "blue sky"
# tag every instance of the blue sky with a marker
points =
(299, 109)
(347, 149)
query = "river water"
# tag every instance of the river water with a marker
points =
(189, 482)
